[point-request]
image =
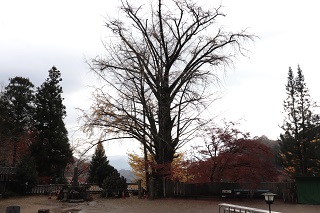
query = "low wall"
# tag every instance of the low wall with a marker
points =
(283, 190)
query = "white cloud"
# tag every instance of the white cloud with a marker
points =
(36, 35)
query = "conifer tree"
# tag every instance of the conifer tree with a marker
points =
(299, 144)
(51, 149)
(26, 176)
(99, 168)
(17, 108)
(114, 184)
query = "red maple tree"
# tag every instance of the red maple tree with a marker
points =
(231, 156)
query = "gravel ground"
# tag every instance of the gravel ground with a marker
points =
(31, 204)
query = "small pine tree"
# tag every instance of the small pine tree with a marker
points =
(114, 184)
(99, 168)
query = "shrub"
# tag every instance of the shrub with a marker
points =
(114, 185)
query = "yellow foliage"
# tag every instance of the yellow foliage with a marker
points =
(290, 169)
(179, 171)
(315, 140)
(137, 164)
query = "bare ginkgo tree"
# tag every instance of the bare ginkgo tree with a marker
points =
(157, 69)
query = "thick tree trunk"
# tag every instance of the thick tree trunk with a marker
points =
(15, 147)
(164, 146)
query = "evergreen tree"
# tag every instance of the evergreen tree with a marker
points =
(26, 176)
(17, 109)
(299, 144)
(114, 184)
(99, 168)
(51, 149)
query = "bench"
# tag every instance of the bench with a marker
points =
(258, 193)
(242, 193)
(226, 193)
(230, 208)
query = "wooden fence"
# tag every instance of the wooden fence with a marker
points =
(93, 188)
(46, 189)
(54, 188)
(284, 190)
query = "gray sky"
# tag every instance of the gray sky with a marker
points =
(37, 34)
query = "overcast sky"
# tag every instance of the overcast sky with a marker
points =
(35, 35)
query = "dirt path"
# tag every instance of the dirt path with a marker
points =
(32, 204)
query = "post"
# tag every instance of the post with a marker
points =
(164, 186)
(139, 188)
(75, 177)
(152, 189)
(269, 207)
(269, 198)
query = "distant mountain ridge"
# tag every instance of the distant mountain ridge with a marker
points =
(119, 162)
(128, 175)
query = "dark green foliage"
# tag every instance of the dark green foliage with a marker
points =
(34, 123)
(51, 149)
(114, 185)
(77, 192)
(26, 174)
(16, 112)
(99, 168)
(299, 144)
(17, 103)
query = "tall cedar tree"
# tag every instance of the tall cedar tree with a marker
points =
(157, 73)
(17, 109)
(299, 144)
(99, 168)
(51, 149)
